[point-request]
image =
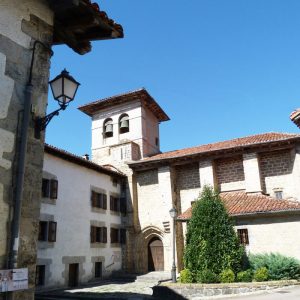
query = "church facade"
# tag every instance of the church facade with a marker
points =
(257, 177)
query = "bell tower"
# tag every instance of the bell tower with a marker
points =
(125, 127)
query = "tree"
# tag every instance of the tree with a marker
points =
(211, 241)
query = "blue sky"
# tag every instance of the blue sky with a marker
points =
(220, 69)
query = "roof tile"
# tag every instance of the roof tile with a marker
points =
(240, 203)
(229, 144)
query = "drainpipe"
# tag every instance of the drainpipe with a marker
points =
(22, 149)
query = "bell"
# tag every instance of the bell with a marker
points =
(108, 130)
(124, 126)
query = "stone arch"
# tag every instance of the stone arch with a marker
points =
(141, 255)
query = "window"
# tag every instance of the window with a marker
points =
(156, 141)
(117, 235)
(98, 234)
(243, 236)
(49, 188)
(124, 123)
(98, 269)
(278, 195)
(108, 128)
(118, 204)
(40, 275)
(99, 200)
(47, 231)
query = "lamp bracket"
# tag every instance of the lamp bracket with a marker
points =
(42, 122)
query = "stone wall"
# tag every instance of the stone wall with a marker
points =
(273, 233)
(21, 23)
(230, 173)
(276, 172)
(188, 176)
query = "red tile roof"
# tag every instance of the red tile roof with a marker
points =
(295, 117)
(241, 203)
(141, 94)
(109, 170)
(253, 140)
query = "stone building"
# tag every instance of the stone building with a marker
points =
(28, 29)
(257, 176)
(80, 231)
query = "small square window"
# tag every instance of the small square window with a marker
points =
(278, 195)
(243, 236)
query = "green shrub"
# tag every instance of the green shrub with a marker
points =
(227, 276)
(186, 276)
(211, 241)
(261, 274)
(244, 276)
(206, 276)
(279, 266)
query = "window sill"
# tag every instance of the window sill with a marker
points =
(98, 245)
(98, 210)
(45, 244)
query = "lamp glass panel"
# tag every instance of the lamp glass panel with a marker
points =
(70, 89)
(56, 87)
(173, 213)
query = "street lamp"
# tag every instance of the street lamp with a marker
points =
(173, 214)
(64, 88)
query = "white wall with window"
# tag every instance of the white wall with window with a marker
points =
(81, 207)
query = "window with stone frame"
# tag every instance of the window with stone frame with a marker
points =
(98, 234)
(99, 200)
(40, 275)
(118, 204)
(243, 236)
(117, 235)
(47, 231)
(49, 188)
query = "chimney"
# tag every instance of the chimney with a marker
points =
(86, 156)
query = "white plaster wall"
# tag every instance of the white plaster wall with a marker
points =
(252, 174)
(187, 196)
(12, 12)
(273, 234)
(133, 110)
(73, 214)
(150, 126)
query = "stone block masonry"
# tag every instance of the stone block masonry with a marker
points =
(21, 22)
(188, 176)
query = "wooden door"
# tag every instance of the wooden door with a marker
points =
(73, 275)
(155, 255)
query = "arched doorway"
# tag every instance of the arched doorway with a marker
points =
(155, 255)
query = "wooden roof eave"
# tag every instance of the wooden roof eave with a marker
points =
(215, 154)
(78, 22)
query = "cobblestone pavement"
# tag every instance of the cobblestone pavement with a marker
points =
(136, 289)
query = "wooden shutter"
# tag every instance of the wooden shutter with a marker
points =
(116, 204)
(104, 201)
(94, 199)
(123, 236)
(52, 231)
(93, 234)
(104, 231)
(123, 205)
(53, 188)
(111, 204)
(45, 188)
(100, 200)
